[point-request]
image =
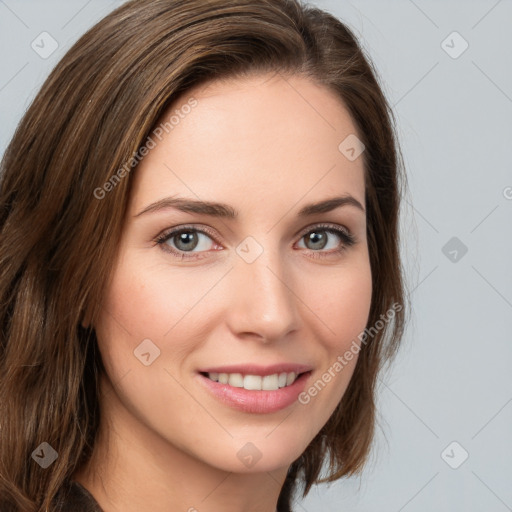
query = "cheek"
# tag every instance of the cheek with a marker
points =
(147, 303)
(155, 302)
(135, 309)
(343, 306)
(145, 320)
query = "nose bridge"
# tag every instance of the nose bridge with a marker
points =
(262, 302)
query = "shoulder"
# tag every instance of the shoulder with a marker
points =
(74, 497)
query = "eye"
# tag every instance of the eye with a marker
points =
(318, 238)
(187, 239)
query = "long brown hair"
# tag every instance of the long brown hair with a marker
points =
(58, 239)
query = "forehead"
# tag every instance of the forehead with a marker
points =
(265, 137)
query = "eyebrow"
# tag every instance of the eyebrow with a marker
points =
(228, 212)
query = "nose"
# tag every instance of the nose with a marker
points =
(262, 302)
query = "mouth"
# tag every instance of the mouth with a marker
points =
(255, 394)
(252, 382)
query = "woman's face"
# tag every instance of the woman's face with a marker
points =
(254, 285)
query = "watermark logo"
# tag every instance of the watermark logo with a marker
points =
(454, 45)
(146, 352)
(249, 455)
(44, 45)
(351, 147)
(454, 249)
(454, 455)
(44, 455)
(249, 249)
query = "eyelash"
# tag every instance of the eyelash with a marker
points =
(345, 236)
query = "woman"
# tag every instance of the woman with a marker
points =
(139, 374)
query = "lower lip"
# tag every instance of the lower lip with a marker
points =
(254, 401)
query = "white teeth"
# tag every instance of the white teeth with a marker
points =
(270, 382)
(252, 382)
(255, 382)
(236, 380)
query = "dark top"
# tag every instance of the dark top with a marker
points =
(74, 497)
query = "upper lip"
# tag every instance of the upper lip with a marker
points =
(262, 371)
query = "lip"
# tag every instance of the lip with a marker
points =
(254, 369)
(254, 401)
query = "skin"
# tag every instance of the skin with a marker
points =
(267, 146)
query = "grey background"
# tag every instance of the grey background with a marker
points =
(452, 379)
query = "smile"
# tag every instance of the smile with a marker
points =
(262, 394)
